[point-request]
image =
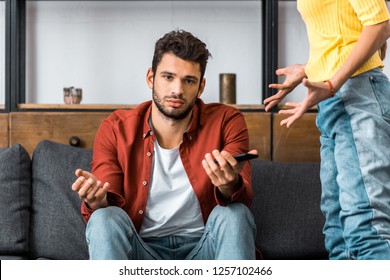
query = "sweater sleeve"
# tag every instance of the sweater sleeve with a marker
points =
(370, 12)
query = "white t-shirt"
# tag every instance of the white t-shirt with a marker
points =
(172, 207)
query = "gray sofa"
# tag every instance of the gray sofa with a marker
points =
(40, 215)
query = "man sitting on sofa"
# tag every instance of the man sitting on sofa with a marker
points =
(147, 196)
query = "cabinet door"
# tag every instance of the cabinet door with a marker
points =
(300, 142)
(3, 130)
(259, 128)
(29, 128)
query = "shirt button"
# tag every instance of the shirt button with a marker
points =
(144, 135)
(151, 133)
(140, 212)
(148, 154)
(144, 183)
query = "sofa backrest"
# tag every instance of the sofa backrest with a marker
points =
(286, 207)
(57, 227)
(40, 218)
(15, 190)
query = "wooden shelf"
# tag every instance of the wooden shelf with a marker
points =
(75, 106)
(33, 106)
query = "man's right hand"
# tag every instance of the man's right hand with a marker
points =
(90, 189)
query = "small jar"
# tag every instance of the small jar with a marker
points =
(227, 88)
(67, 97)
(73, 95)
(77, 95)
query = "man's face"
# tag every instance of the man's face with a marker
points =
(176, 86)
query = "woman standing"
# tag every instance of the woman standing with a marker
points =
(344, 77)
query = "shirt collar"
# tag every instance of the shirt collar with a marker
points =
(198, 120)
(147, 129)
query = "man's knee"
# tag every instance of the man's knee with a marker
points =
(106, 214)
(233, 214)
(108, 219)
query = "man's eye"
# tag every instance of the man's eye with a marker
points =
(189, 81)
(168, 77)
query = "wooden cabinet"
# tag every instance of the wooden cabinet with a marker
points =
(300, 142)
(273, 142)
(3, 130)
(259, 127)
(29, 128)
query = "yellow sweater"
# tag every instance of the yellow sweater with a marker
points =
(333, 28)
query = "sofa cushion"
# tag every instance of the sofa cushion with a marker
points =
(15, 188)
(286, 207)
(57, 227)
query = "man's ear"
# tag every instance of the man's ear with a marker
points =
(150, 78)
(201, 87)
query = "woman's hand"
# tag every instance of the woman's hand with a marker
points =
(294, 75)
(316, 92)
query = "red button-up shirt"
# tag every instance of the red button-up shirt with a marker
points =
(124, 148)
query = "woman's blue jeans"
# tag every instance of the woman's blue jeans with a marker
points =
(355, 168)
(229, 234)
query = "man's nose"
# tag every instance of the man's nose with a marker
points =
(177, 87)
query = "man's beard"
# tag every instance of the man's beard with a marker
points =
(176, 114)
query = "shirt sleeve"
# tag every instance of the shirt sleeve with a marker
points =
(105, 166)
(237, 142)
(370, 12)
(113, 199)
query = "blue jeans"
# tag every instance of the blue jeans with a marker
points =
(229, 234)
(355, 168)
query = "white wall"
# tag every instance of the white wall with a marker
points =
(293, 44)
(2, 52)
(105, 47)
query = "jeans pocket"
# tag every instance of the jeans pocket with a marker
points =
(381, 89)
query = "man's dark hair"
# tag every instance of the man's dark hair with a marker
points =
(183, 45)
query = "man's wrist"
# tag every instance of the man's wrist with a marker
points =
(240, 182)
(227, 193)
